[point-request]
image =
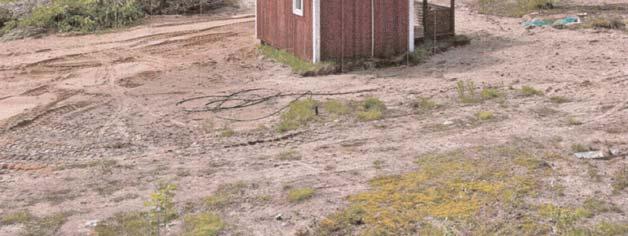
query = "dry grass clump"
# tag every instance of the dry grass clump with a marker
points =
(300, 194)
(226, 195)
(336, 107)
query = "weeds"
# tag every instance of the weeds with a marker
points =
(466, 91)
(378, 164)
(298, 65)
(300, 194)
(83, 15)
(597, 206)
(528, 91)
(48, 225)
(202, 224)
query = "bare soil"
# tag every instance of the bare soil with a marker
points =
(67, 103)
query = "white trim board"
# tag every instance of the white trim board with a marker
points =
(316, 31)
(411, 16)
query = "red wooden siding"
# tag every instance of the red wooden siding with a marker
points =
(346, 28)
(277, 26)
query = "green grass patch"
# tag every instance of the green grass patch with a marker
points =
(490, 93)
(529, 91)
(450, 188)
(299, 114)
(573, 121)
(83, 15)
(18, 217)
(226, 195)
(620, 180)
(577, 147)
(371, 109)
(289, 155)
(559, 99)
(127, 223)
(300, 194)
(484, 115)
(564, 217)
(202, 224)
(513, 8)
(297, 65)
(227, 132)
(336, 107)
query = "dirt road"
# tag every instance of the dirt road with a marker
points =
(68, 103)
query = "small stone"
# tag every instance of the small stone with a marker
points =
(614, 152)
(590, 155)
(279, 217)
(91, 223)
(448, 122)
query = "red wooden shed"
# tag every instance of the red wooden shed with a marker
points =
(316, 30)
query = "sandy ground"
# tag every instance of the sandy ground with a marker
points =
(66, 102)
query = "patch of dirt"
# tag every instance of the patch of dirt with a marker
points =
(101, 122)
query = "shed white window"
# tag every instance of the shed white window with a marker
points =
(297, 7)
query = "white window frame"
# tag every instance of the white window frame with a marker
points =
(295, 10)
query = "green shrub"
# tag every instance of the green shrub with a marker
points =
(84, 15)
